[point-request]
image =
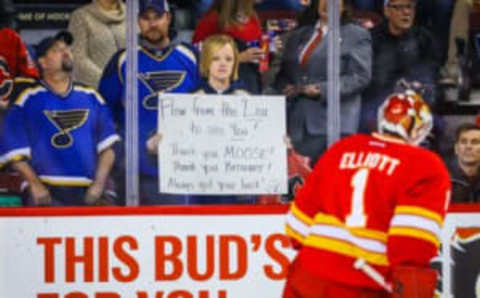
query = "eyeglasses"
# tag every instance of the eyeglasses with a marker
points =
(402, 6)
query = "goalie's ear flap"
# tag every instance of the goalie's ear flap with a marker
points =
(413, 282)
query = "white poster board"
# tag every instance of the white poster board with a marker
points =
(222, 144)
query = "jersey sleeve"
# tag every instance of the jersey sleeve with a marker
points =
(111, 85)
(14, 139)
(105, 133)
(190, 58)
(306, 204)
(415, 228)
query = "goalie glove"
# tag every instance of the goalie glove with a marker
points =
(413, 282)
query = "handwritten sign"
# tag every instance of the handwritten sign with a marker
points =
(222, 144)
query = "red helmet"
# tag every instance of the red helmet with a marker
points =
(405, 115)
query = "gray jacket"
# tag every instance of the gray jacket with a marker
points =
(355, 73)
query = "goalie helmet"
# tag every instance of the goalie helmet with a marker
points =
(405, 115)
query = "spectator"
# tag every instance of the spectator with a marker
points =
(219, 67)
(303, 78)
(372, 209)
(283, 32)
(163, 66)
(99, 32)
(238, 19)
(400, 51)
(59, 134)
(14, 57)
(465, 168)
(219, 71)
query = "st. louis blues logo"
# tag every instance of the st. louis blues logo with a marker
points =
(158, 82)
(65, 122)
(6, 82)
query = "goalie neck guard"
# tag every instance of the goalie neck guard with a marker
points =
(405, 115)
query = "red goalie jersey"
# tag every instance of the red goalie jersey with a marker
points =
(373, 198)
(14, 61)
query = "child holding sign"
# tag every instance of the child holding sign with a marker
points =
(219, 67)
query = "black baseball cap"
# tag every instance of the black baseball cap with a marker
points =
(45, 44)
(160, 6)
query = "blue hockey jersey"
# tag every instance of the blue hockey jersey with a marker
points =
(173, 70)
(61, 135)
(236, 88)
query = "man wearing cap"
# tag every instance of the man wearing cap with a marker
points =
(163, 66)
(400, 50)
(58, 134)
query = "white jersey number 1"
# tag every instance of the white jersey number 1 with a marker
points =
(357, 216)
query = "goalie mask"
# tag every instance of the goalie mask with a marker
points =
(405, 115)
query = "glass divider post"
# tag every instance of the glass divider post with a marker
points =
(333, 73)
(131, 107)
